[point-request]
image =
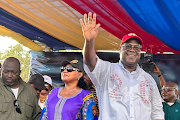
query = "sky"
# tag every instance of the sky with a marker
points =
(7, 42)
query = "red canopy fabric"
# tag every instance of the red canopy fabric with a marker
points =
(113, 18)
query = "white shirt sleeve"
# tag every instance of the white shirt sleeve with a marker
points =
(99, 73)
(157, 107)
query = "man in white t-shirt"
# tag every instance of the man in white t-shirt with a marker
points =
(124, 90)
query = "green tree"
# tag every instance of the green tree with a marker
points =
(22, 55)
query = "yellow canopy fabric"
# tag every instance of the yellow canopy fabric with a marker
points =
(59, 20)
(19, 38)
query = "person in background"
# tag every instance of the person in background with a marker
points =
(37, 82)
(124, 90)
(18, 100)
(66, 102)
(44, 93)
(171, 105)
(92, 89)
(163, 83)
(160, 76)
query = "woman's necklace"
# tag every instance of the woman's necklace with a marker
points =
(67, 92)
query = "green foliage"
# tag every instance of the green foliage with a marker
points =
(22, 55)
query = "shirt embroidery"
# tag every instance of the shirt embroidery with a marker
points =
(113, 93)
(145, 91)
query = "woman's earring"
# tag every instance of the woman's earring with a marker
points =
(78, 78)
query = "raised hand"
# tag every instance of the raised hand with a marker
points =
(156, 69)
(89, 27)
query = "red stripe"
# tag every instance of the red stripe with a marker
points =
(114, 19)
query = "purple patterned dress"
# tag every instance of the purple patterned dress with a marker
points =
(66, 108)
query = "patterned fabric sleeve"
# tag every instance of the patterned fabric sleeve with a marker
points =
(44, 112)
(88, 102)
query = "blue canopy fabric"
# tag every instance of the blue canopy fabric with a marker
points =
(17, 25)
(157, 22)
(158, 17)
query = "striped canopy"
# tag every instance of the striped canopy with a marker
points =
(55, 23)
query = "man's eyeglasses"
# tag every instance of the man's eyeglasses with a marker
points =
(129, 47)
(167, 89)
(69, 69)
(16, 105)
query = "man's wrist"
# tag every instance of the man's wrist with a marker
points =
(159, 75)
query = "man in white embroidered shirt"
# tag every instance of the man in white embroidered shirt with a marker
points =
(124, 90)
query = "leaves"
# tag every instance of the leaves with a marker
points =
(22, 55)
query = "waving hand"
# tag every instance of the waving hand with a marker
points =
(89, 27)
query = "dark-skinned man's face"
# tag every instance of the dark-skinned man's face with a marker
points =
(10, 74)
(169, 92)
(130, 56)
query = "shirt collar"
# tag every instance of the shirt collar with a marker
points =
(174, 102)
(133, 72)
(177, 101)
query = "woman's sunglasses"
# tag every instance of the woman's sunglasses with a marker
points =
(69, 69)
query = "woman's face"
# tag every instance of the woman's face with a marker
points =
(70, 74)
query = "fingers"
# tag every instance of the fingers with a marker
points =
(156, 67)
(85, 19)
(81, 22)
(154, 63)
(97, 26)
(94, 19)
(90, 18)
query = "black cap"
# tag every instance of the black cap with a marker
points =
(74, 63)
(38, 81)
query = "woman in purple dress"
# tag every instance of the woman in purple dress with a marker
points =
(66, 102)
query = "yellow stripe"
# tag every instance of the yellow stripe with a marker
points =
(53, 20)
(19, 38)
(87, 97)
